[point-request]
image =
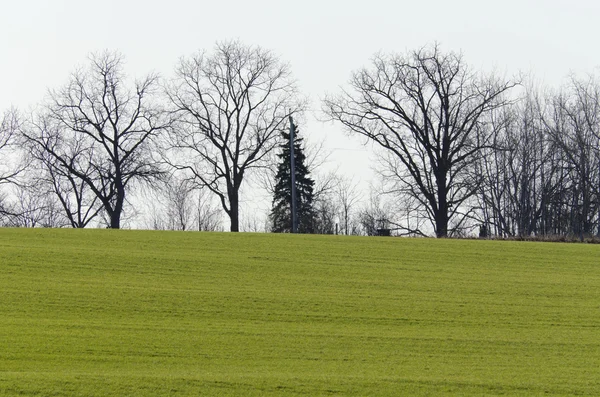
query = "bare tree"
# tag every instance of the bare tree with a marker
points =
(347, 195)
(208, 215)
(375, 216)
(177, 204)
(574, 127)
(257, 221)
(34, 206)
(231, 105)
(189, 207)
(10, 166)
(325, 209)
(520, 172)
(180, 204)
(79, 203)
(98, 131)
(542, 175)
(426, 109)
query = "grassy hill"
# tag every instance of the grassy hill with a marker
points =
(109, 312)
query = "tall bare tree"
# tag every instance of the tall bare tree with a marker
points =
(425, 108)
(232, 105)
(97, 130)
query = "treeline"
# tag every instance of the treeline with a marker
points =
(464, 153)
(541, 176)
(461, 152)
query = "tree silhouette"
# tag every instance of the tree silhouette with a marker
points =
(230, 105)
(426, 110)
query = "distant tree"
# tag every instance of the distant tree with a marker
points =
(326, 210)
(347, 195)
(424, 109)
(10, 167)
(79, 203)
(97, 130)
(574, 128)
(208, 214)
(281, 213)
(519, 172)
(177, 204)
(376, 214)
(542, 173)
(34, 206)
(231, 106)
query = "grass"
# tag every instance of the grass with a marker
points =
(138, 313)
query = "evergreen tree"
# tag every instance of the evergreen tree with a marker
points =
(281, 213)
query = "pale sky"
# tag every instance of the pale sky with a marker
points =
(41, 42)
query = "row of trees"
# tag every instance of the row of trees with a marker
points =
(541, 176)
(96, 138)
(460, 152)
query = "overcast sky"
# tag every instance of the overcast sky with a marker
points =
(41, 42)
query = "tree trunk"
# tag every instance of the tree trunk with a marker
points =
(115, 220)
(115, 214)
(234, 212)
(441, 215)
(441, 223)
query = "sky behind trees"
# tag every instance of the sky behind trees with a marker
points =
(42, 42)
(324, 41)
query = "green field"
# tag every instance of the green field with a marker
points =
(138, 313)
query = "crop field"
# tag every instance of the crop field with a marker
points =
(141, 313)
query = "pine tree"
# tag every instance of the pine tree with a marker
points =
(281, 213)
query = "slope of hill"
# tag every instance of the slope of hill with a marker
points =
(113, 312)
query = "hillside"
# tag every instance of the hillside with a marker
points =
(115, 312)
